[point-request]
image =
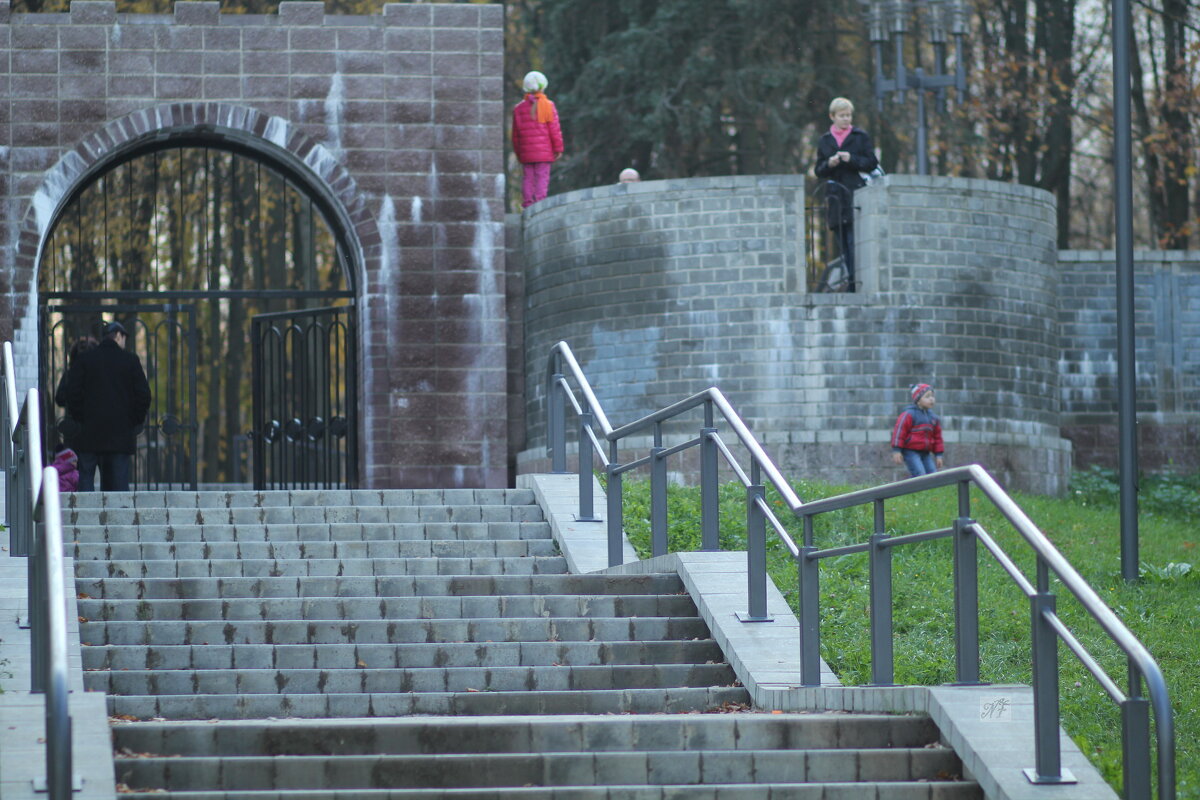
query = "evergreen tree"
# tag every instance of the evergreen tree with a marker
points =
(680, 88)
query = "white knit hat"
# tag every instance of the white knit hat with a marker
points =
(535, 82)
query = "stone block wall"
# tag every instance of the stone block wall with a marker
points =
(1167, 342)
(672, 286)
(394, 120)
(661, 287)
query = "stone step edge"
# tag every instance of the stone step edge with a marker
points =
(298, 497)
(922, 790)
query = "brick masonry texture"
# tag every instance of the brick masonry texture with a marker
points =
(665, 288)
(1167, 341)
(396, 120)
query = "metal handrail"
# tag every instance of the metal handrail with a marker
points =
(9, 410)
(1047, 629)
(53, 641)
(34, 517)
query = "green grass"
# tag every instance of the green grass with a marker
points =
(1161, 610)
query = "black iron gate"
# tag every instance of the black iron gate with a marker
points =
(164, 337)
(305, 402)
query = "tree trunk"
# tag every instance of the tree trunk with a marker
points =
(1175, 112)
(1055, 39)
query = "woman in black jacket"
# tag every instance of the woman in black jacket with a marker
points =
(842, 153)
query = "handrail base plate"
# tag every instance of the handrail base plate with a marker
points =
(1033, 777)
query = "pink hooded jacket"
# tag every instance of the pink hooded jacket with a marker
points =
(535, 142)
(65, 462)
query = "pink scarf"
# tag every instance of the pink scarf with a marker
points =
(839, 134)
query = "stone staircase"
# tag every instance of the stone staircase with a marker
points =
(420, 644)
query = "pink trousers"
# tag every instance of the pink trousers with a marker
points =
(536, 183)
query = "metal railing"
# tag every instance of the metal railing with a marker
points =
(34, 520)
(1047, 628)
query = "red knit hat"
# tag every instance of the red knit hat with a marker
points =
(920, 389)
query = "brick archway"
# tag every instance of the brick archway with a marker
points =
(394, 120)
(271, 138)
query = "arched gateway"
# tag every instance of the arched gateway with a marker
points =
(299, 217)
(232, 265)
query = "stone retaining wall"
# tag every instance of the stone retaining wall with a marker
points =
(1167, 331)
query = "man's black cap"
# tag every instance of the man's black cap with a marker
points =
(114, 327)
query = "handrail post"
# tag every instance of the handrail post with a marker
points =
(966, 602)
(658, 496)
(35, 567)
(10, 479)
(1047, 752)
(809, 575)
(19, 499)
(710, 503)
(59, 767)
(810, 617)
(557, 431)
(756, 555)
(616, 513)
(1135, 748)
(586, 511)
(882, 660)
(8, 412)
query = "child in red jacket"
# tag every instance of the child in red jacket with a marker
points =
(917, 434)
(536, 137)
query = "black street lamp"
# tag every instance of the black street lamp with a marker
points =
(889, 21)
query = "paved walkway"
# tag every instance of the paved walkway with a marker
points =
(22, 714)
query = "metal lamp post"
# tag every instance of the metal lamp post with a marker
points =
(889, 21)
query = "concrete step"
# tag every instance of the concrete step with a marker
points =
(389, 608)
(382, 681)
(392, 656)
(328, 567)
(675, 768)
(329, 644)
(566, 734)
(273, 550)
(295, 515)
(336, 631)
(463, 704)
(297, 497)
(307, 532)
(962, 790)
(389, 586)
(722, 740)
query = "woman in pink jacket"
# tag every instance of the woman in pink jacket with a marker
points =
(537, 138)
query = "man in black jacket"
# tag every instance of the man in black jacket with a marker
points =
(107, 393)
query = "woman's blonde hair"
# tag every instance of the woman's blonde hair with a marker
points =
(840, 104)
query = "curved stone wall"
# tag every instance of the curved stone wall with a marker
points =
(665, 288)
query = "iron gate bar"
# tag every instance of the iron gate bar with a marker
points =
(307, 454)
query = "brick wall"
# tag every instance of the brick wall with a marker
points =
(396, 120)
(1167, 335)
(665, 288)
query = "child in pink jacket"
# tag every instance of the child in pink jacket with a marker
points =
(66, 463)
(536, 137)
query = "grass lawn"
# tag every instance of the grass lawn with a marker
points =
(1162, 609)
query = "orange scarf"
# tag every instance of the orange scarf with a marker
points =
(545, 109)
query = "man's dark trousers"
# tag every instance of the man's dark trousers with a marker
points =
(114, 471)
